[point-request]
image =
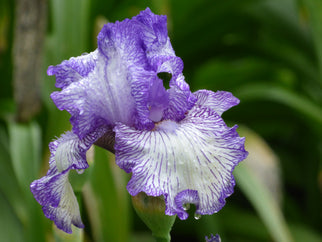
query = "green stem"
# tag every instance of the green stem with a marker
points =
(162, 239)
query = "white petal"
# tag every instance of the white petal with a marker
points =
(188, 162)
(54, 191)
(67, 211)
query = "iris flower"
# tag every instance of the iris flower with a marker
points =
(174, 142)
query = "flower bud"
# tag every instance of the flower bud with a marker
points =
(152, 212)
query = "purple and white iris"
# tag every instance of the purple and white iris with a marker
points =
(174, 142)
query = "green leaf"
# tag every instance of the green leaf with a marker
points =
(25, 150)
(264, 204)
(246, 224)
(70, 28)
(9, 186)
(106, 199)
(303, 233)
(69, 36)
(214, 74)
(7, 107)
(61, 236)
(10, 226)
(258, 187)
(314, 8)
(287, 97)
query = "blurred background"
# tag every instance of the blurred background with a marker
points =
(268, 53)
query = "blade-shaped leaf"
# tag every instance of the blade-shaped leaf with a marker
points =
(10, 226)
(106, 199)
(25, 149)
(25, 153)
(285, 96)
(258, 186)
(314, 8)
(264, 204)
(9, 186)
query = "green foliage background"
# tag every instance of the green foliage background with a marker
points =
(268, 53)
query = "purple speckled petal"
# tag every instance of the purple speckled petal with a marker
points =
(190, 161)
(54, 191)
(219, 101)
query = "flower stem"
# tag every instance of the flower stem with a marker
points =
(162, 239)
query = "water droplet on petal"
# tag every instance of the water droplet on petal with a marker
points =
(80, 171)
(197, 216)
(186, 206)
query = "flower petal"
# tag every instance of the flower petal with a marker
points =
(119, 81)
(181, 100)
(54, 191)
(190, 161)
(219, 101)
(100, 99)
(73, 70)
(59, 202)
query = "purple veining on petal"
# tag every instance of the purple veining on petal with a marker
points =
(45, 189)
(54, 191)
(189, 161)
(73, 69)
(219, 101)
(154, 32)
(119, 81)
(185, 197)
(132, 41)
(62, 222)
(66, 212)
(158, 100)
(100, 99)
(181, 100)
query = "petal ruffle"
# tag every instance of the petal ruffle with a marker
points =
(190, 161)
(54, 191)
(100, 99)
(73, 70)
(219, 101)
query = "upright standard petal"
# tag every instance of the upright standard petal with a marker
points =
(190, 161)
(100, 99)
(54, 191)
(119, 81)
